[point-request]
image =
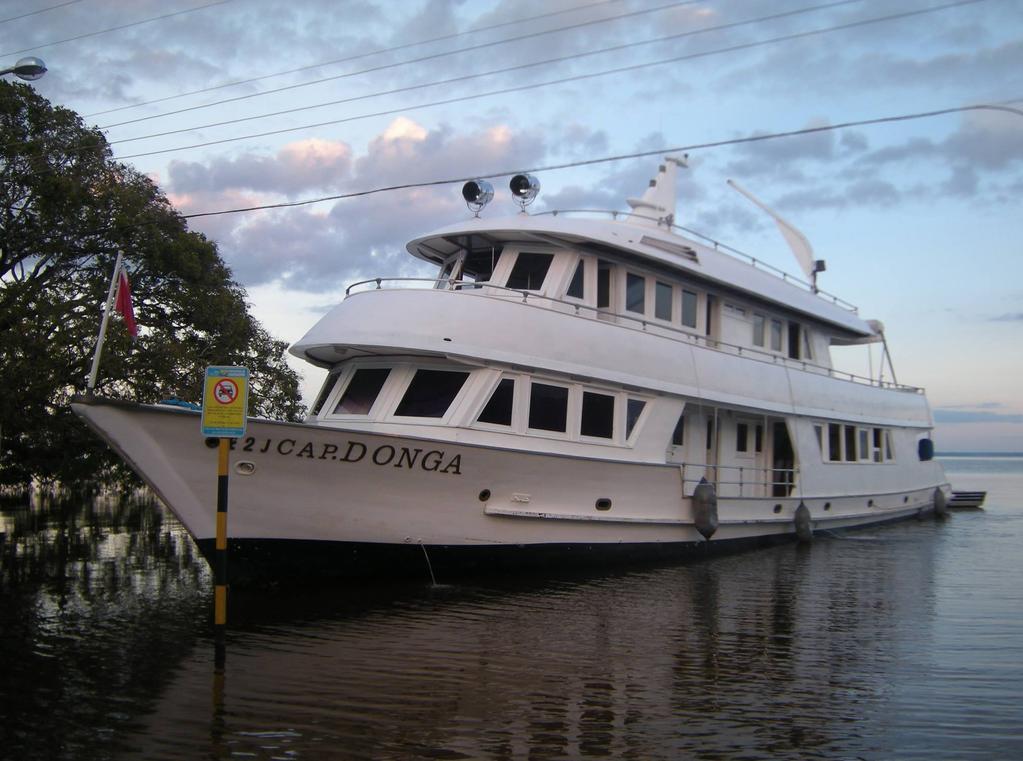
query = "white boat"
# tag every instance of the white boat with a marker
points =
(570, 388)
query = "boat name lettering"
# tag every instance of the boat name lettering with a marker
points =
(433, 460)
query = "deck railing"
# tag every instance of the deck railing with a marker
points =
(749, 480)
(718, 246)
(659, 328)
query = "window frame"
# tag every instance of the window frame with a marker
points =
(344, 379)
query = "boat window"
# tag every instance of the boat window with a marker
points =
(598, 415)
(499, 409)
(480, 264)
(889, 451)
(819, 430)
(633, 409)
(758, 329)
(877, 449)
(328, 386)
(758, 438)
(362, 391)
(688, 308)
(430, 393)
(678, 436)
(834, 442)
(604, 285)
(576, 288)
(864, 444)
(548, 407)
(775, 335)
(662, 301)
(735, 310)
(850, 443)
(635, 293)
(794, 341)
(529, 271)
(741, 437)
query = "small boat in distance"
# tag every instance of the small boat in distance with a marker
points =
(568, 388)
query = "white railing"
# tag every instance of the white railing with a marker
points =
(660, 328)
(747, 479)
(718, 246)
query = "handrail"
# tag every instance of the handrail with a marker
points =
(789, 476)
(718, 246)
(694, 338)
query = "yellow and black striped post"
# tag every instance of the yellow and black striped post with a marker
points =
(220, 559)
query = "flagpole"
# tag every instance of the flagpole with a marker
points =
(103, 324)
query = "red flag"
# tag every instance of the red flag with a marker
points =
(123, 304)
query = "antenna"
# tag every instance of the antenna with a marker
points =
(798, 242)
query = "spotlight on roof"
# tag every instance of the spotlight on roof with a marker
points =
(477, 194)
(524, 188)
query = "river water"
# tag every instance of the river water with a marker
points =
(902, 642)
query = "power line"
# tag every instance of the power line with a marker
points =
(421, 59)
(618, 157)
(356, 57)
(41, 10)
(506, 70)
(115, 28)
(562, 80)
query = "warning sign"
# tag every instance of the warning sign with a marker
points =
(225, 401)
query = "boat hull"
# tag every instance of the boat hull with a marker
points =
(313, 501)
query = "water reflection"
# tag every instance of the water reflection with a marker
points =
(100, 599)
(760, 655)
(791, 652)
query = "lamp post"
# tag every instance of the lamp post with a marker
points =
(29, 69)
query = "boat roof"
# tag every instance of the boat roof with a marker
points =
(649, 242)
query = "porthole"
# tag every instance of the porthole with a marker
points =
(603, 504)
(245, 468)
(827, 505)
(777, 508)
(905, 500)
(484, 495)
(870, 503)
(212, 442)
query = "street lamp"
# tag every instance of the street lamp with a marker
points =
(29, 69)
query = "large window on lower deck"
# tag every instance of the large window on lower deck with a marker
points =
(430, 393)
(633, 409)
(362, 391)
(498, 410)
(548, 407)
(598, 415)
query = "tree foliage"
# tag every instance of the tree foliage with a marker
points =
(66, 209)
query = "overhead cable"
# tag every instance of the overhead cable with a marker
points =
(477, 75)
(115, 28)
(619, 157)
(41, 10)
(562, 80)
(421, 59)
(357, 56)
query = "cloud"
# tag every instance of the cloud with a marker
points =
(319, 247)
(300, 166)
(1009, 317)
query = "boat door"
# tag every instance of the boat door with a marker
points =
(783, 460)
(605, 290)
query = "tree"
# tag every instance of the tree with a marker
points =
(66, 209)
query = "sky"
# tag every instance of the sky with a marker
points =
(241, 103)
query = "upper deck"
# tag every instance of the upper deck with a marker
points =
(620, 236)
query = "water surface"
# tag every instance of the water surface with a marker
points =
(898, 642)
